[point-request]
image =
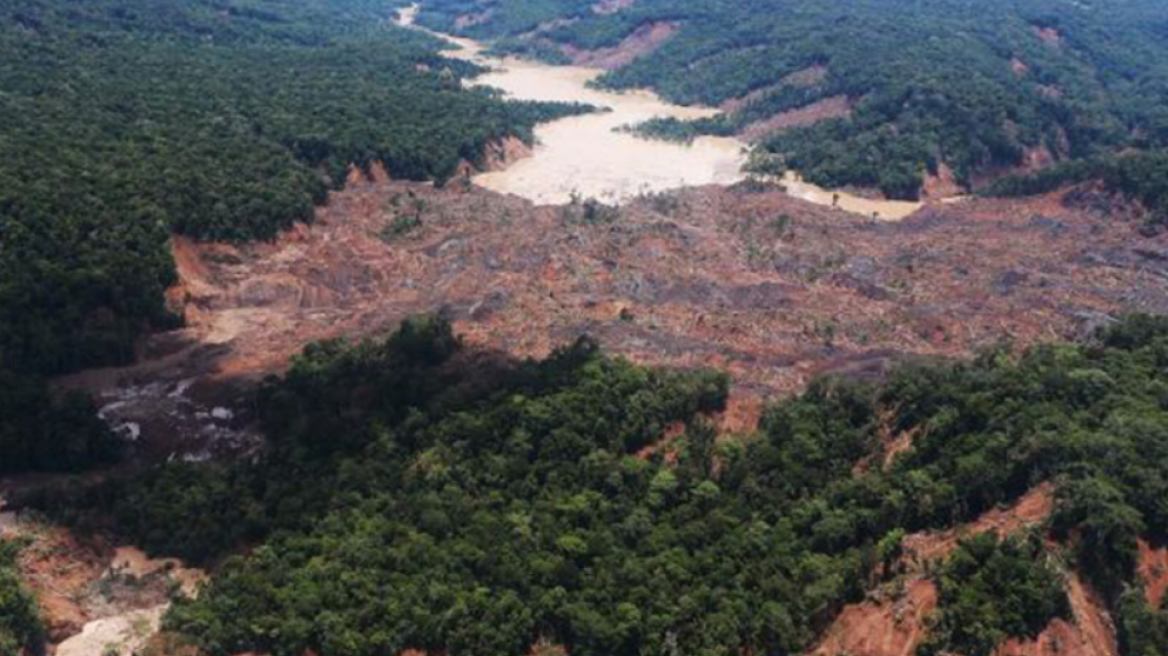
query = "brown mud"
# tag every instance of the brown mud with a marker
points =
(772, 289)
(94, 598)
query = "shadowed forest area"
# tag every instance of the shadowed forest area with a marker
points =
(420, 495)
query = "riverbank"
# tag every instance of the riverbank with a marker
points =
(590, 156)
(587, 156)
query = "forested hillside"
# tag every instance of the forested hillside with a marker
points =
(420, 495)
(979, 86)
(123, 121)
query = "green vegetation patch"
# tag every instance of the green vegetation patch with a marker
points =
(1139, 177)
(417, 494)
(927, 83)
(20, 623)
(1142, 631)
(992, 589)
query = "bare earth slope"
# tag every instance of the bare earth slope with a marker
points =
(770, 288)
(894, 619)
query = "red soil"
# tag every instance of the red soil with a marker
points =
(58, 568)
(769, 288)
(888, 627)
(894, 620)
(1153, 569)
(1050, 36)
(644, 40)
(1029, 511)
(820, 110)
(942, 185)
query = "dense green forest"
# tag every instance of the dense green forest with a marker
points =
(40, 432)
(970, 84)
(418, 494)
(992, 589)
(123, 121)
(20, 625)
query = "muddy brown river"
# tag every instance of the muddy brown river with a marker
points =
(589, 156)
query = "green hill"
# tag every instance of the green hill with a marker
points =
(973, 85)
(418, 495)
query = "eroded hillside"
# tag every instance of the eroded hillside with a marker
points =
(767, 287)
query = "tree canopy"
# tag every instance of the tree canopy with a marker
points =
(418, 494)
(973, 85)
(124, 121)
(20, 623)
